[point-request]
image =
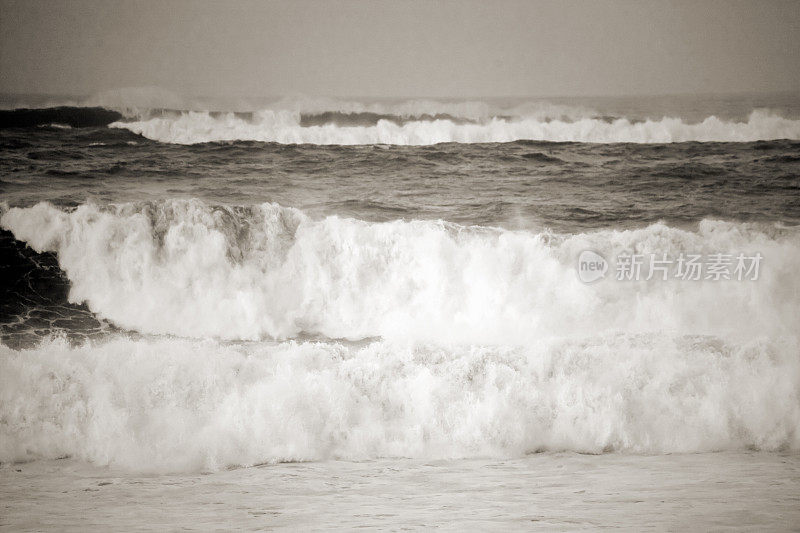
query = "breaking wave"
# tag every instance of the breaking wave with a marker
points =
(453, 341)
(166, 117)
(182, 405)
(291, 127)
(191, 269)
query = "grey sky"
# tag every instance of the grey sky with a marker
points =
(430, 48)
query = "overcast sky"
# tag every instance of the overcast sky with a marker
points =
(394, 49)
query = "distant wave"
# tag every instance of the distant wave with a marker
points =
(292, 127)
(337, 118)
(165, 117)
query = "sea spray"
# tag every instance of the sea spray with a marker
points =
(285, 127)
(187, 268)
(168, 405)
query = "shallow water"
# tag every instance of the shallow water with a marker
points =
(743, 491)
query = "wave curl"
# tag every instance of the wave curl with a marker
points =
(253, 272)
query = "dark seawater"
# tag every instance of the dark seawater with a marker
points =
(563, 186)
(192, 290)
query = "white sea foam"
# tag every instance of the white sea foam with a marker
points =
(192, 120)
(182, 405)
(284, 126)
(481, 341)
(186, 268)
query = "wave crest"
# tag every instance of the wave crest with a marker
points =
(284, 126)
(191, 269)
(489, 345)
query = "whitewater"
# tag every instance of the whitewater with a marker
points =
(285, 127)
(189, 269)
(455, 341)
(165, 117)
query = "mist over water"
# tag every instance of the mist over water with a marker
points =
(192, 287)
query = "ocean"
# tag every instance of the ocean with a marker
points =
(550, 314)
